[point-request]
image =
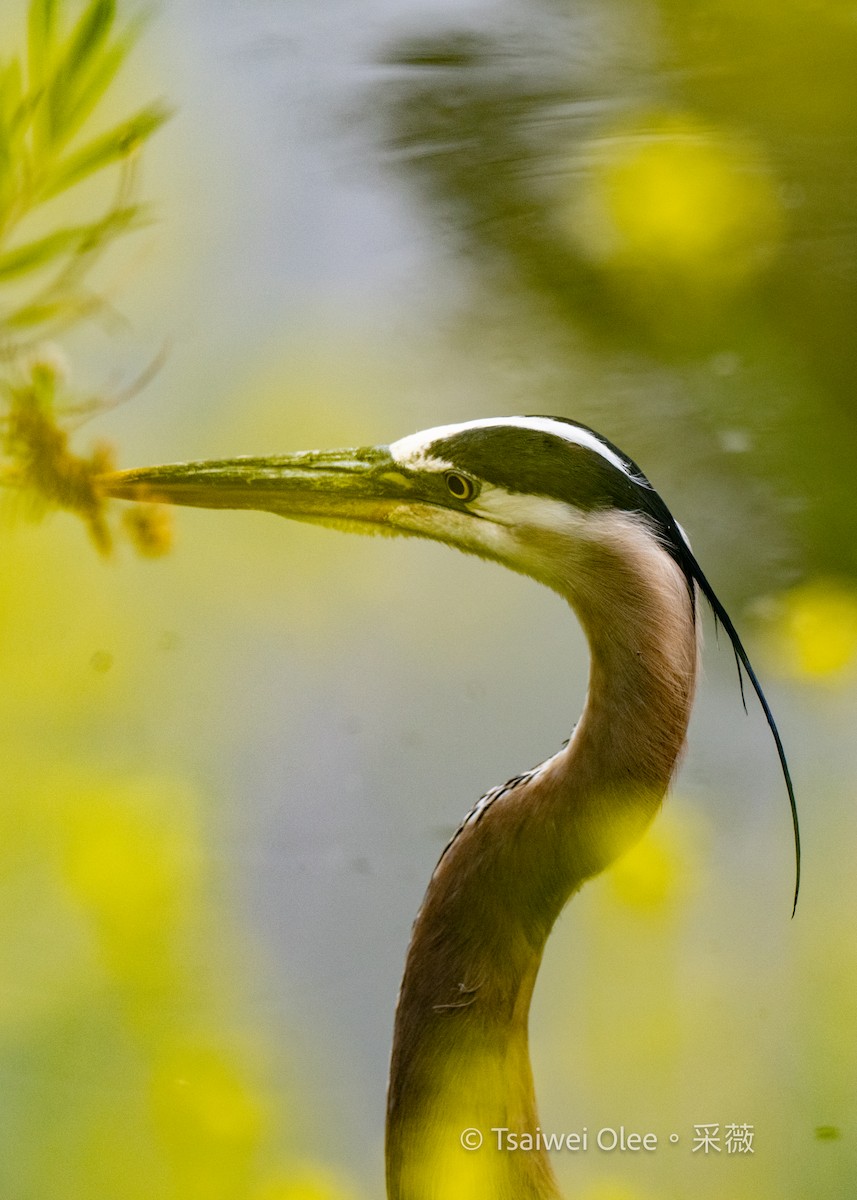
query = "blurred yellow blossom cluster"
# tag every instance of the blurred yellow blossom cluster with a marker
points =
(668, 194)
(656, 873)
(812, 632)
(120, 1007)
(44, 472)
(673, 210)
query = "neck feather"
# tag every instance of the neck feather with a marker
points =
(460, 1053)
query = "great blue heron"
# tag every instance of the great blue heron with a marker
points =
(552, 499)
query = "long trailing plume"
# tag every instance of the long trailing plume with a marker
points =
(742, 660)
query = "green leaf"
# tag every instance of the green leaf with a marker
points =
(28, 316)
(41, 31)
(11, 90)
(79, 57)
(89, 34)
(15, 110)
(13, 119)
(81, 103)
(75, 240)
(37, 254)
(8, 104)
(109, 148)
(118, 221)
(6, 166)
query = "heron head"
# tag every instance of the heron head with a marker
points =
(526, 491)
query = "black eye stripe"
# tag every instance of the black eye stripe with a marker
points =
(541, 463)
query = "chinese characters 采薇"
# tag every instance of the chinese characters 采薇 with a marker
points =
(737, 1139)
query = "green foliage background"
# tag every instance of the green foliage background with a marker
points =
(49, 101)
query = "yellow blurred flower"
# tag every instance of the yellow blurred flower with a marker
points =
(447, 1170)
(130, 856)
(814, 632)
(612, 1190)
(644, 877)
(667, 197)
(209, 1117)
(304, 1183)
(149, 527)
(59, 614)
(198, 1092)
(653, 874)
(46, 968)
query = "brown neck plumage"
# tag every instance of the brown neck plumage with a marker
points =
(460, 1055)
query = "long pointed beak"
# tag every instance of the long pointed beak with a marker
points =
(360, 486)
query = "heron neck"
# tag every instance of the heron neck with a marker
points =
(460, 1053)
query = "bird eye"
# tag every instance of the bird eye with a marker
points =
(460, 486)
